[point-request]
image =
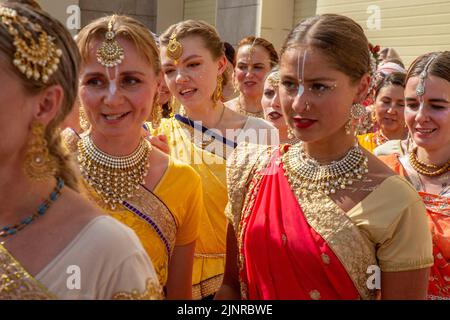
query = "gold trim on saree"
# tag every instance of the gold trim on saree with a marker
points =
(155, 212)
(16, 283)
(340, 233)
(244, 164)
(206, 287)
(152, 291)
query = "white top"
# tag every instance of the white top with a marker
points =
(104, 259)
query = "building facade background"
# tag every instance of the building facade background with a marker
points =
(412, 27)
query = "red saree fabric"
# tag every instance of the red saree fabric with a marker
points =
(438, 212)
(284, 257)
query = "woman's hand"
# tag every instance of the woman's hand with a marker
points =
(160, 142)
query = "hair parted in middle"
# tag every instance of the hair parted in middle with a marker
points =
(261, 42)
(189, 28)
(123, 26)
(339, 38)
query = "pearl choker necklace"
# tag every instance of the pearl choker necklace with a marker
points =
(115, 178)
(328, 178)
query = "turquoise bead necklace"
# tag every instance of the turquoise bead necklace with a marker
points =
(42, 209)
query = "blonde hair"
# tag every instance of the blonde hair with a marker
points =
(202, 29)
(123, 26)
(66, 76)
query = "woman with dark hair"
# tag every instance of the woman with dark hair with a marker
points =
(310, 220)
(388, 108)
(427, 165)
(255, 57)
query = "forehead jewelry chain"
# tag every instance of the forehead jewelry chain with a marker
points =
(420, 89)
(309, 174)
(110, 53)
(174, 48)
(115, 178)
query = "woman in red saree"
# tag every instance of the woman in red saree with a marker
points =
(427, 166)
(315, 220)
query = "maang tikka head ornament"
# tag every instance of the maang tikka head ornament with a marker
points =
(110, 53)
(174, 48)
(37, 55)
(274, 79)
(420, 89)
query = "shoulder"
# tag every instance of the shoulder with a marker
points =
(231, 104)
(183, 172)
(390, 147)
(258, 123)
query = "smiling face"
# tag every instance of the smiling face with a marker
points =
(117, 100)
(389, 109)
(193, 79)
(252, 65)
(328, 93)
(428, 116)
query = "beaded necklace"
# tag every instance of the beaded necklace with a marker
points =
(42, 209)
(429, 170)
(241, 110)
(115, 178)
(311, 175)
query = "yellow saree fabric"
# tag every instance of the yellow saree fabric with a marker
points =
(161, 219)
(209, 258)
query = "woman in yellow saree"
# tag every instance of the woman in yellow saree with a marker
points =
(204, 134)
(157, 196)
(53, 243)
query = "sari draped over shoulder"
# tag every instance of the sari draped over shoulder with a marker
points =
(438, 212)
(16, 283)
(148, 216)
(294, 244)
(209, 257)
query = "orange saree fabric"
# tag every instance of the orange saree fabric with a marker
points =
(438, 212)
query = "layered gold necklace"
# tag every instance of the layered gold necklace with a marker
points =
(309, 174)
(114, 178)
(241, 110)
(429, 170)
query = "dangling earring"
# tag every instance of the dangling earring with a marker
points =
(156, 113)
(83, 119)
(357, 111)
(290, 133)
(219, 89)
(39, 164)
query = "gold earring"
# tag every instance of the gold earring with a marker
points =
(357, 112)
(219, 90)
(39, 164)
(348, 127)
(156, 113)
(290, 133)
(84, 122)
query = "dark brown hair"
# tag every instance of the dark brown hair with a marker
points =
(66, 76)
(393, 79)
(439, 67)
(266, 45)
(339, 38)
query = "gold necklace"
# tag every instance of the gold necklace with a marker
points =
(311, 175)
(429, 170)
(241, 110)
(115, 178)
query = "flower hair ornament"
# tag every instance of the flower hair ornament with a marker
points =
(110, 53)
(36, 55)
(174, 48)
